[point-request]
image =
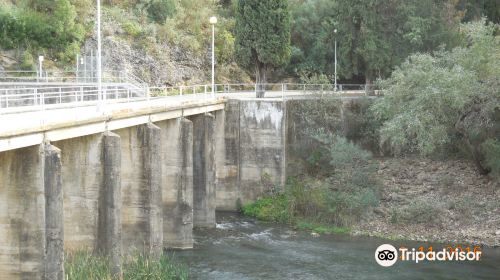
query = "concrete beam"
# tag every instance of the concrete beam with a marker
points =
(177, 183)
(110, 203)
(204, 199)
(54, 225)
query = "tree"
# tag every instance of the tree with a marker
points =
(448, 99)
(262, 37)
(374, 36)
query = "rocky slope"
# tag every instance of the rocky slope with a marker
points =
(441, 201)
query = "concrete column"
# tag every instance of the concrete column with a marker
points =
(110, 228)
(204, 200)
(227, 156)
(150, 136)
(54, 229)
(177, 183)
(22, 214)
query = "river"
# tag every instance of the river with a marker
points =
(242, 248)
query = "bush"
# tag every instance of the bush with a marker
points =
(450, 98)
(52, 27)
(132, 28)
(27, 61)
(271, 209)
(491, 150)
(417, 212)
(340, 200)
(160, 10)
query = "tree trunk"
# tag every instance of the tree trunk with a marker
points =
(261, 79)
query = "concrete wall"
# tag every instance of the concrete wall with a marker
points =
(262, 146)
(254, 147)
(22, 214)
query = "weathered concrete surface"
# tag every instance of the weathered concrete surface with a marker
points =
(110, 203)
(22, 214)
(227, 131)
(82, 170)
(135, 197)
(204, 199)
(150, 136)
(177, 183)
(54, 224)
(262, 146)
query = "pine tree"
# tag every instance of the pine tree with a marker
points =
(262, 37)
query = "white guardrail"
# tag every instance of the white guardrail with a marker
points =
(41, 97)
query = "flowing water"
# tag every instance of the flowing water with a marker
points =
(241, 248)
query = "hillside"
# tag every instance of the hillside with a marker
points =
(161, 47)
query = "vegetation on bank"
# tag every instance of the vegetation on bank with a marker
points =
(440, 105)
(83, 265)
(343, 194)
(447, 103)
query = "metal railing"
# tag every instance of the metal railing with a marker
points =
(73, 95)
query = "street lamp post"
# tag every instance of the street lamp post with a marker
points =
(101, 98)
(213, 21)
(335, 35)
(40, 66)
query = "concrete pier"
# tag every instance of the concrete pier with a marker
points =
(54, 230)
(177, 182)
(204, 200)
(22, 214)
(137, 182)
(110, 204)
(152, 174)
(227, 156)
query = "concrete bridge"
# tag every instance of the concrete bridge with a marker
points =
(135, 175)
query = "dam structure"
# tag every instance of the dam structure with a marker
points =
(130, 171)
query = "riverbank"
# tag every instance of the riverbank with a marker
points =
(84, 265)
(438, 201)
(418, 199)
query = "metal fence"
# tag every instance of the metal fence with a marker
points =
(33, 98)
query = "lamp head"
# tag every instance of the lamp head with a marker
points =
(213, 20)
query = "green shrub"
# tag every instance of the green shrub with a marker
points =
(27, 61)
(491, 152)
(339, 200)
(160, 10)
(320, 228)
(51, 27)
(132, 28)
(417, 212)
(271, 209)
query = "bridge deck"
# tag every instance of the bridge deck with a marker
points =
(30, 126)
